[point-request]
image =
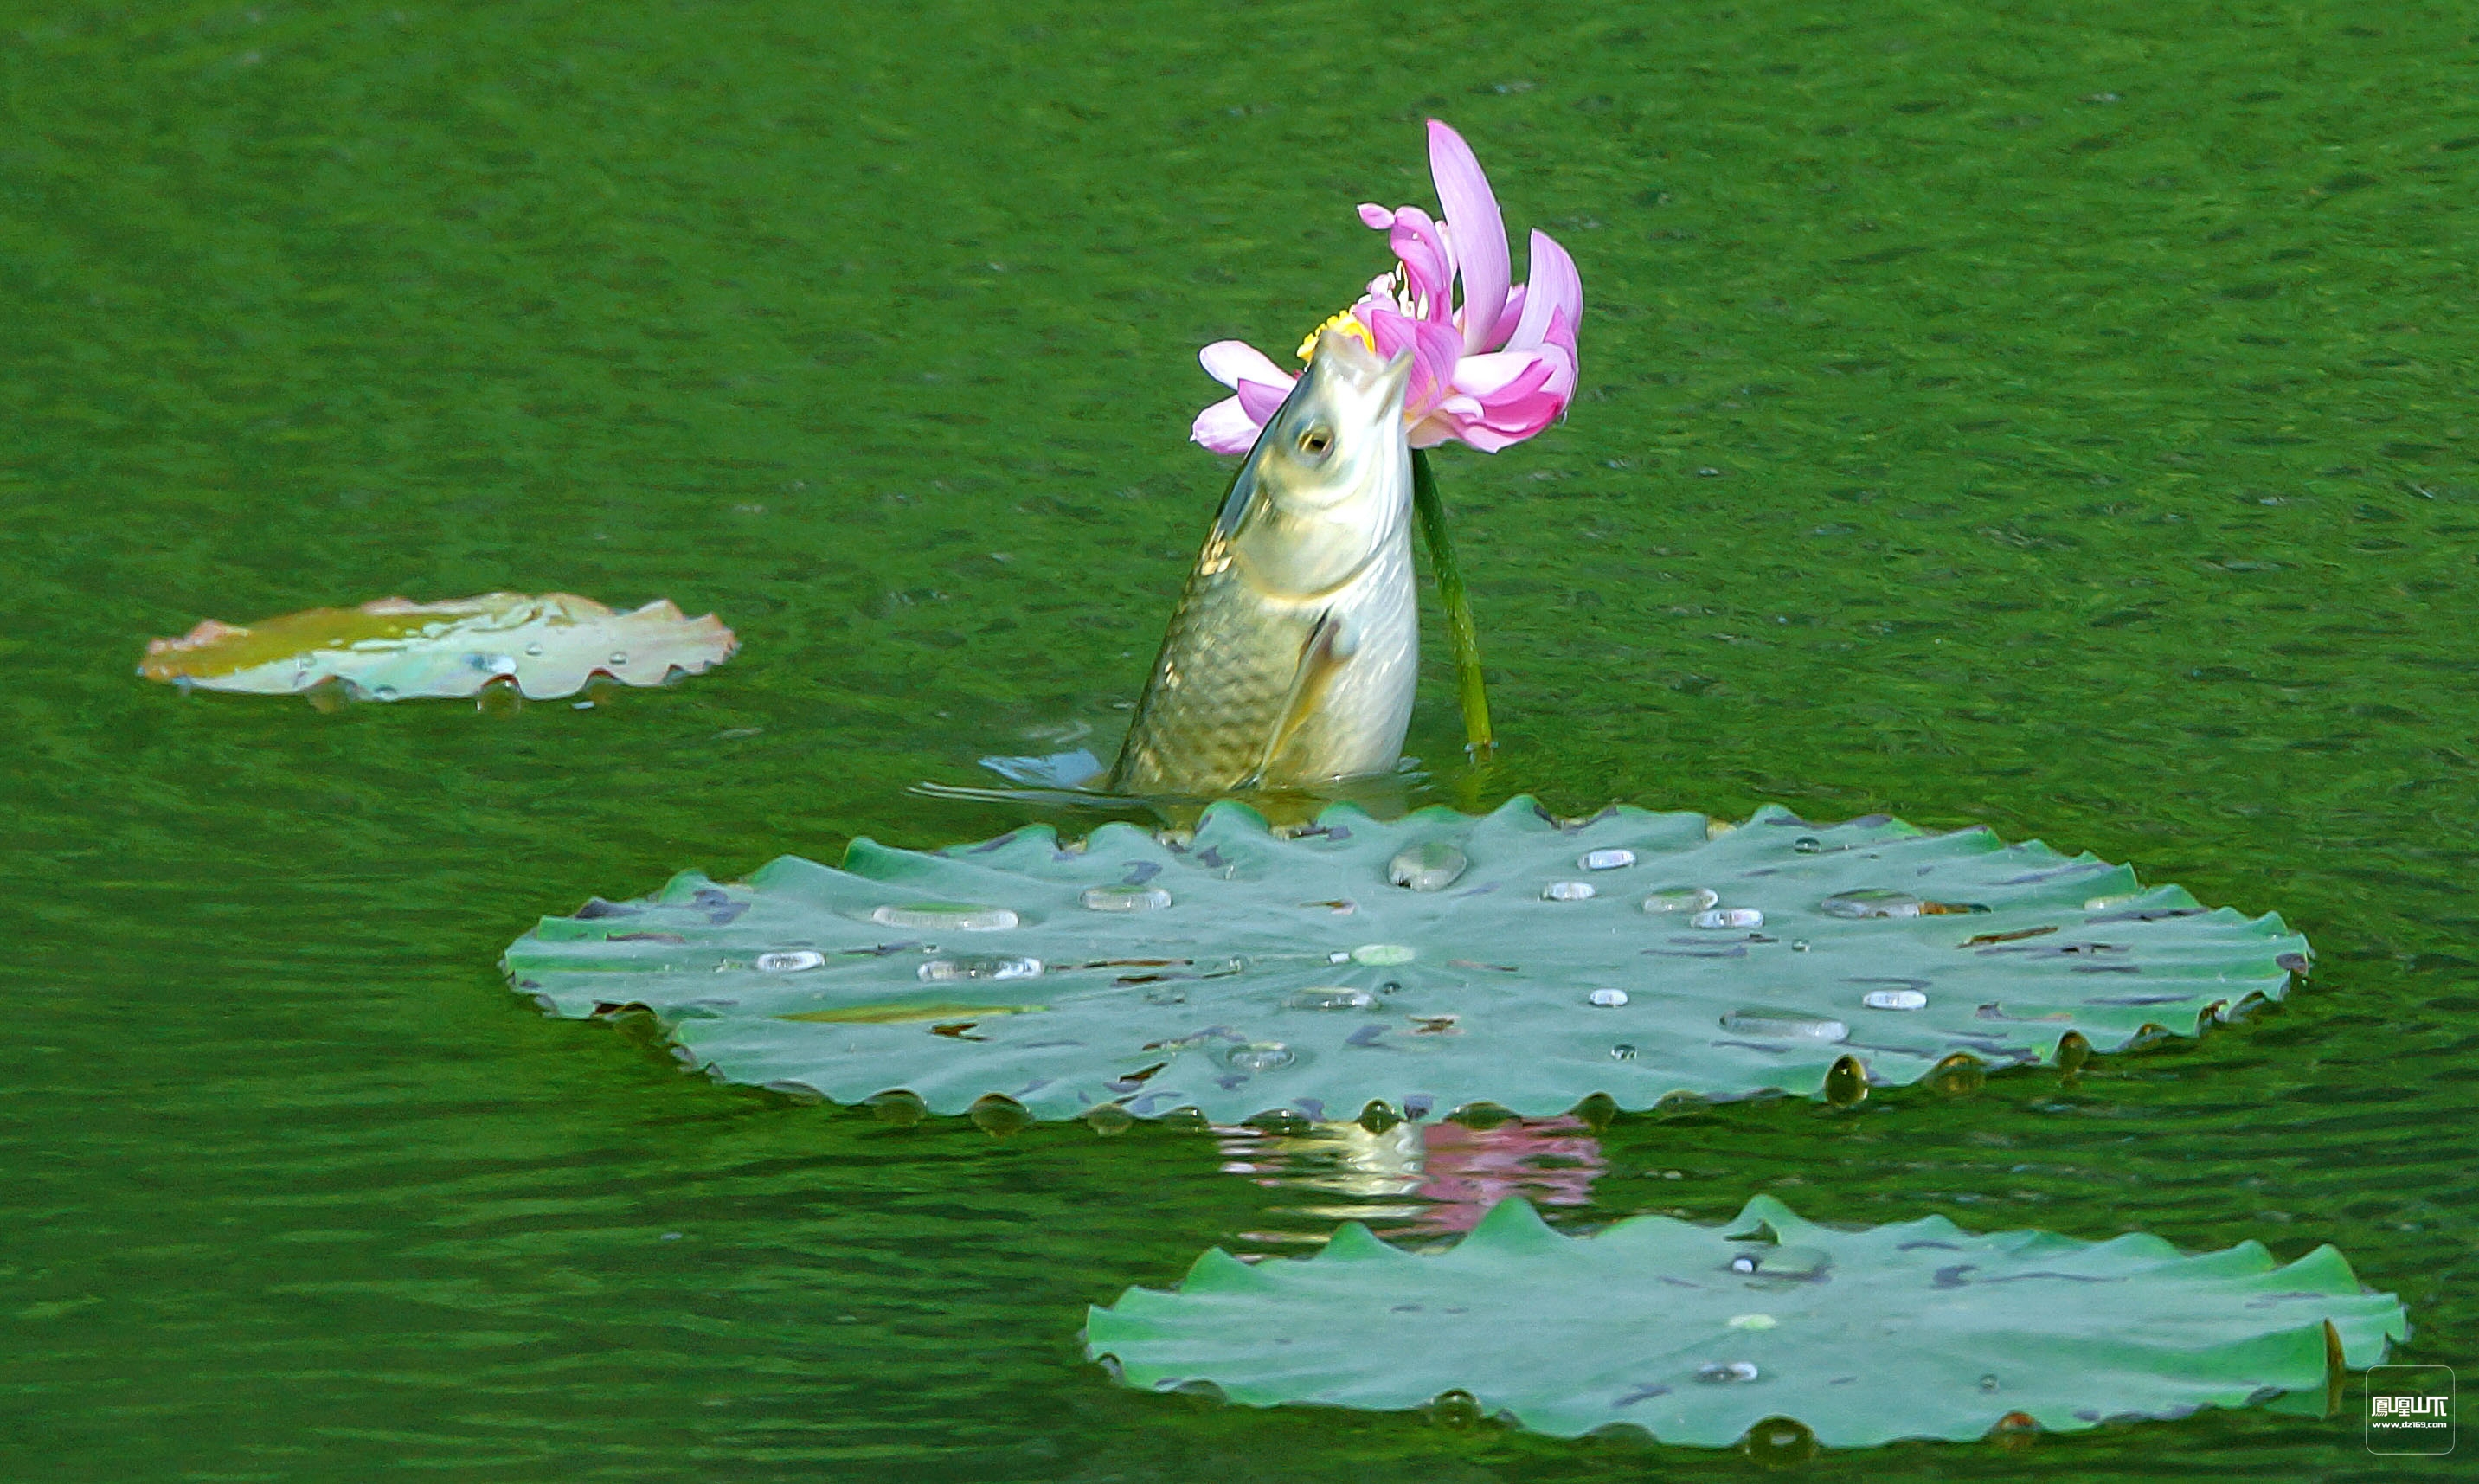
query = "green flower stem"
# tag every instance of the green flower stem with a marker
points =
(1478, 739)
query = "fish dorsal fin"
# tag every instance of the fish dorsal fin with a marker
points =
(1322, 656)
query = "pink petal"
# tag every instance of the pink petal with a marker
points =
(1456, 418)
(1474, 231)
(1527, 405)
(1562, 333)
(1486, 375)
(1376, 216)
(1469, 428)
(1394, 331)
(1259, 400)
(1428, 264)
(1435, 347)
(1490, 409)
(1225, 428)
(1555, 290)
(1519, 412)
(1507, 319)
(1435, 353)
(1229, 361)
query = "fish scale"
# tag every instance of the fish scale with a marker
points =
(1302, 540)
(1234, 656)
(1226, 667)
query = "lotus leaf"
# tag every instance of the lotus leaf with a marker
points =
(1694, 1334)
(1240, 970)
(392, 650)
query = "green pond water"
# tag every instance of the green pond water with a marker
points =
(2056, 419)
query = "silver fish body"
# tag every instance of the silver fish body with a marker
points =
(1294, 650)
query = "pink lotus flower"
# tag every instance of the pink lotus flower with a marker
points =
(1491, 370)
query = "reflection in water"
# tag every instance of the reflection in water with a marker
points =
(1414, 1179)
(1038, 787)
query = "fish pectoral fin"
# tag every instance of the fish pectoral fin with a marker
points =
(1329, 645)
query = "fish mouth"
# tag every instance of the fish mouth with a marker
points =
(1343, 357)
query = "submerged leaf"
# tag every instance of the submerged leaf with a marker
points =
(1241, 970)
(392, 650)
(1696, 1334)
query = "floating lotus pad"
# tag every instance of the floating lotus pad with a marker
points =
(1245, 970)
(1694, 1334)
(392, 650)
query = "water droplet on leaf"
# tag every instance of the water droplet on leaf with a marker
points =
(793, 961)
(1568, 891)
(1380, 955)
(1330, 997)
(1681, 899)
(903, 1109)
(1846, 1082)
(1125, 899)
(1433, 865)
(1608, 999)
(1458, 1409)
(1894, 999)
(1956, 1075)
(1259, 1056)
(1611, 859)
(940, 971)
(1621, 1051)
(957, 917)
(1728, 917)
(998, 1116)
(1726, 1372)
(1780, 1443)
(1871, 901)
(1787, 1024)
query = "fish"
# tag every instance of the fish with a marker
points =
(1293, 655)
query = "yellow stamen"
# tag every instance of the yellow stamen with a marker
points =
(1344, 322)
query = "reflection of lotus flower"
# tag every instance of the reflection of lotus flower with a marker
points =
(1550, 1162)
(1419, 1179)
(1490, 371)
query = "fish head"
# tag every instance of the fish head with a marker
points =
(1330, 480)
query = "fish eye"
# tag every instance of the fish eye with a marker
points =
(1316, 442)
